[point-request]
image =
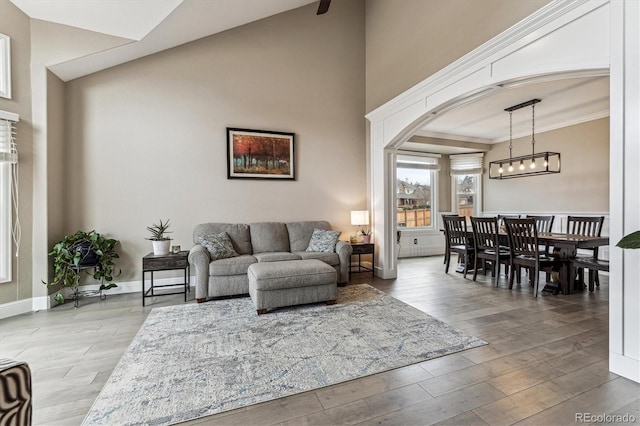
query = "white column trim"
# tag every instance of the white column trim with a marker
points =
(624, 180)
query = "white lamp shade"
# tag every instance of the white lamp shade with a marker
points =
(360, 217)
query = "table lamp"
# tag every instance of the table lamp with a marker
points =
(360, 218)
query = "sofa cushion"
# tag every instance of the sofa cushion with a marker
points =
(275, 256)
(238, 234)
(300, 233)
(218, 245)
(231, 266)
(330, 258)
(323, 241)
(269, 237)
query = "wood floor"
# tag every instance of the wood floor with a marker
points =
(546, 360)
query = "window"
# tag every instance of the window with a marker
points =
(415, 190)
(8, 157)
(466, 171)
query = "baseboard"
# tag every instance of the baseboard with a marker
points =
(624, 366)
(42, 303)
(19, 307)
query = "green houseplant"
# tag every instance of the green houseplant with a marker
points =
(631, 241)
(79, 251)
(160, 241)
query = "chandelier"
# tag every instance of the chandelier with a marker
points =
(541, 163)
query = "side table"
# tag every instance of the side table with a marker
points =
(166, 262)
(358, 250)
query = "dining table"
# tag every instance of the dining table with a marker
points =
(565, 247)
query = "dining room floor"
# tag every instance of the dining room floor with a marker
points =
(546, 362)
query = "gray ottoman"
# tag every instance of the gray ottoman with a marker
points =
(290, 283)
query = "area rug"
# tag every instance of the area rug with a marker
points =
(194, 360)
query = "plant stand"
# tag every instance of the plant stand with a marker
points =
(79, 294)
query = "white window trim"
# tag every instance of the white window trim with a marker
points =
(434, 192)
(6, 211)
(5, 223)
(477, 211)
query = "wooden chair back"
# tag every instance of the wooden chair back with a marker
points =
(455, 228)
(590, 226)
(523, 237)
(502, 217)
(543, 223)
(485, 233)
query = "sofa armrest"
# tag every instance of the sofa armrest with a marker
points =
(199, 258)
(344, 251)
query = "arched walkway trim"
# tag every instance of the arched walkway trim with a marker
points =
(587, 37)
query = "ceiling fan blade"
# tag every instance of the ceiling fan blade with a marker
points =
(323, 7)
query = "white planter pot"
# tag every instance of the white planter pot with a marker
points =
(161, 247)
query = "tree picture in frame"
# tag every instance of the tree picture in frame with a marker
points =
(260, 154)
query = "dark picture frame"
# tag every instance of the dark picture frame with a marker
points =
(260, 154)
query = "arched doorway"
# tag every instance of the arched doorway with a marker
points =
(588, 38)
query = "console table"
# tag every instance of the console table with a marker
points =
(167, 262)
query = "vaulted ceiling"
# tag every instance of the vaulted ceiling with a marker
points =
(150, 26)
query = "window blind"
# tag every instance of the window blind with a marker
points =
(466, 164)
(415, 162)
(8, 147)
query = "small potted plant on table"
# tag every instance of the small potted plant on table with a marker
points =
(160, 241)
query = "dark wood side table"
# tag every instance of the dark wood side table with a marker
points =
(166, 262)
(358, 250)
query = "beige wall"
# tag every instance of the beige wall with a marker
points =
(409, 40)
(581, 186)
(147, 140)
(56, 210)
(16, 25)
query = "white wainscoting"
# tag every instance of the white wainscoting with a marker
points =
(421, 242)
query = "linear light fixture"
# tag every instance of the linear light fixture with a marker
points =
(525, 165)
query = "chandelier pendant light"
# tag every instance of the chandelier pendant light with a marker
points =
(549, 162)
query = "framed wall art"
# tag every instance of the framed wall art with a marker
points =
(260, 154)
(5, 66)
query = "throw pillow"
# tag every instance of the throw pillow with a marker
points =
(219, 246)
(323, 241)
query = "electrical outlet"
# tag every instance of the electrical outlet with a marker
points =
(415, 241)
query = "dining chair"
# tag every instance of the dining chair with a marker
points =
(524, 252)
(455, 230)
(446, 239)
(487, 247)
(590, 226)
(502, 217)
(593, 265)
(544, 224)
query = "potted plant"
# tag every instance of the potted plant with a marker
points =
(631, 241)
(83, 250)
(160, 241)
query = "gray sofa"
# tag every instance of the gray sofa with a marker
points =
(258, 242)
